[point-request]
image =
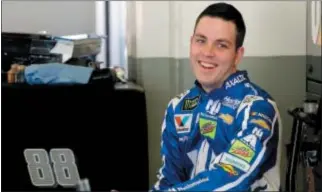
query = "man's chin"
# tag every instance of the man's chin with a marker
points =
(206, 81)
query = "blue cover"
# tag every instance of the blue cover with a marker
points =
(57, 73)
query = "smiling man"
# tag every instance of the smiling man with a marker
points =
(224, 133)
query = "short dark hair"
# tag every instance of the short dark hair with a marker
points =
(226, 12)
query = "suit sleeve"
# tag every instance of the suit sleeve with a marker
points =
(171, 172)
(252, 151)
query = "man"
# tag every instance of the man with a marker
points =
(223, 134)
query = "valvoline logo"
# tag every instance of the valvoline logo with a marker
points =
(183, 123)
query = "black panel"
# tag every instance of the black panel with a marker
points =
(314, 77)
(106, 129)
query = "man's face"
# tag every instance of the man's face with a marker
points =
(213, 53)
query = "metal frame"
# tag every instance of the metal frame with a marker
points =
(111, 22)
(101, 26)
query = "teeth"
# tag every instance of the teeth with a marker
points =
(207, 65)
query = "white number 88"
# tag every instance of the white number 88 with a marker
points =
(42, 172)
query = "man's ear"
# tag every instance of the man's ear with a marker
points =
(239, 55)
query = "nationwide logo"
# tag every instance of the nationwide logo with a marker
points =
(183, 123)
(190, 103)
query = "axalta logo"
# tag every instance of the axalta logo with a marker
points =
(198, 182)
(240, 78)
(183, 123)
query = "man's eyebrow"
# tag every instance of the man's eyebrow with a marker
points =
(223, 41)
(201, 36)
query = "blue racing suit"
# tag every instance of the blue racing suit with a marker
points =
(225, 140)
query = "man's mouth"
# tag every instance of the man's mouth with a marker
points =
(206, 65)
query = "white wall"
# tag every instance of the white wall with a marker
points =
(163, 28)
(152, 20)
(55, 17)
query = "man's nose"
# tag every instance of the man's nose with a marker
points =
(209, 51)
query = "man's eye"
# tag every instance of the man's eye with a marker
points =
(200, 40)
(222, 45)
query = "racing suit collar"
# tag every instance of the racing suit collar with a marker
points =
(232, 81)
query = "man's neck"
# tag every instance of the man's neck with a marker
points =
(210, 88)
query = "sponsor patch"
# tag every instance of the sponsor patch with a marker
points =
(229, 169)
(194, 184)
(206, 116)
(190, 103)
(213, 107)
(258, 132)
(228, 119)
(235, 161)
(231, 103)
(250, 140)
(262, 116)
(242, 151)
(183, 123)
(208, 127)
(240, 78)
(261, 123)
(183, 139)
(251, 98)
